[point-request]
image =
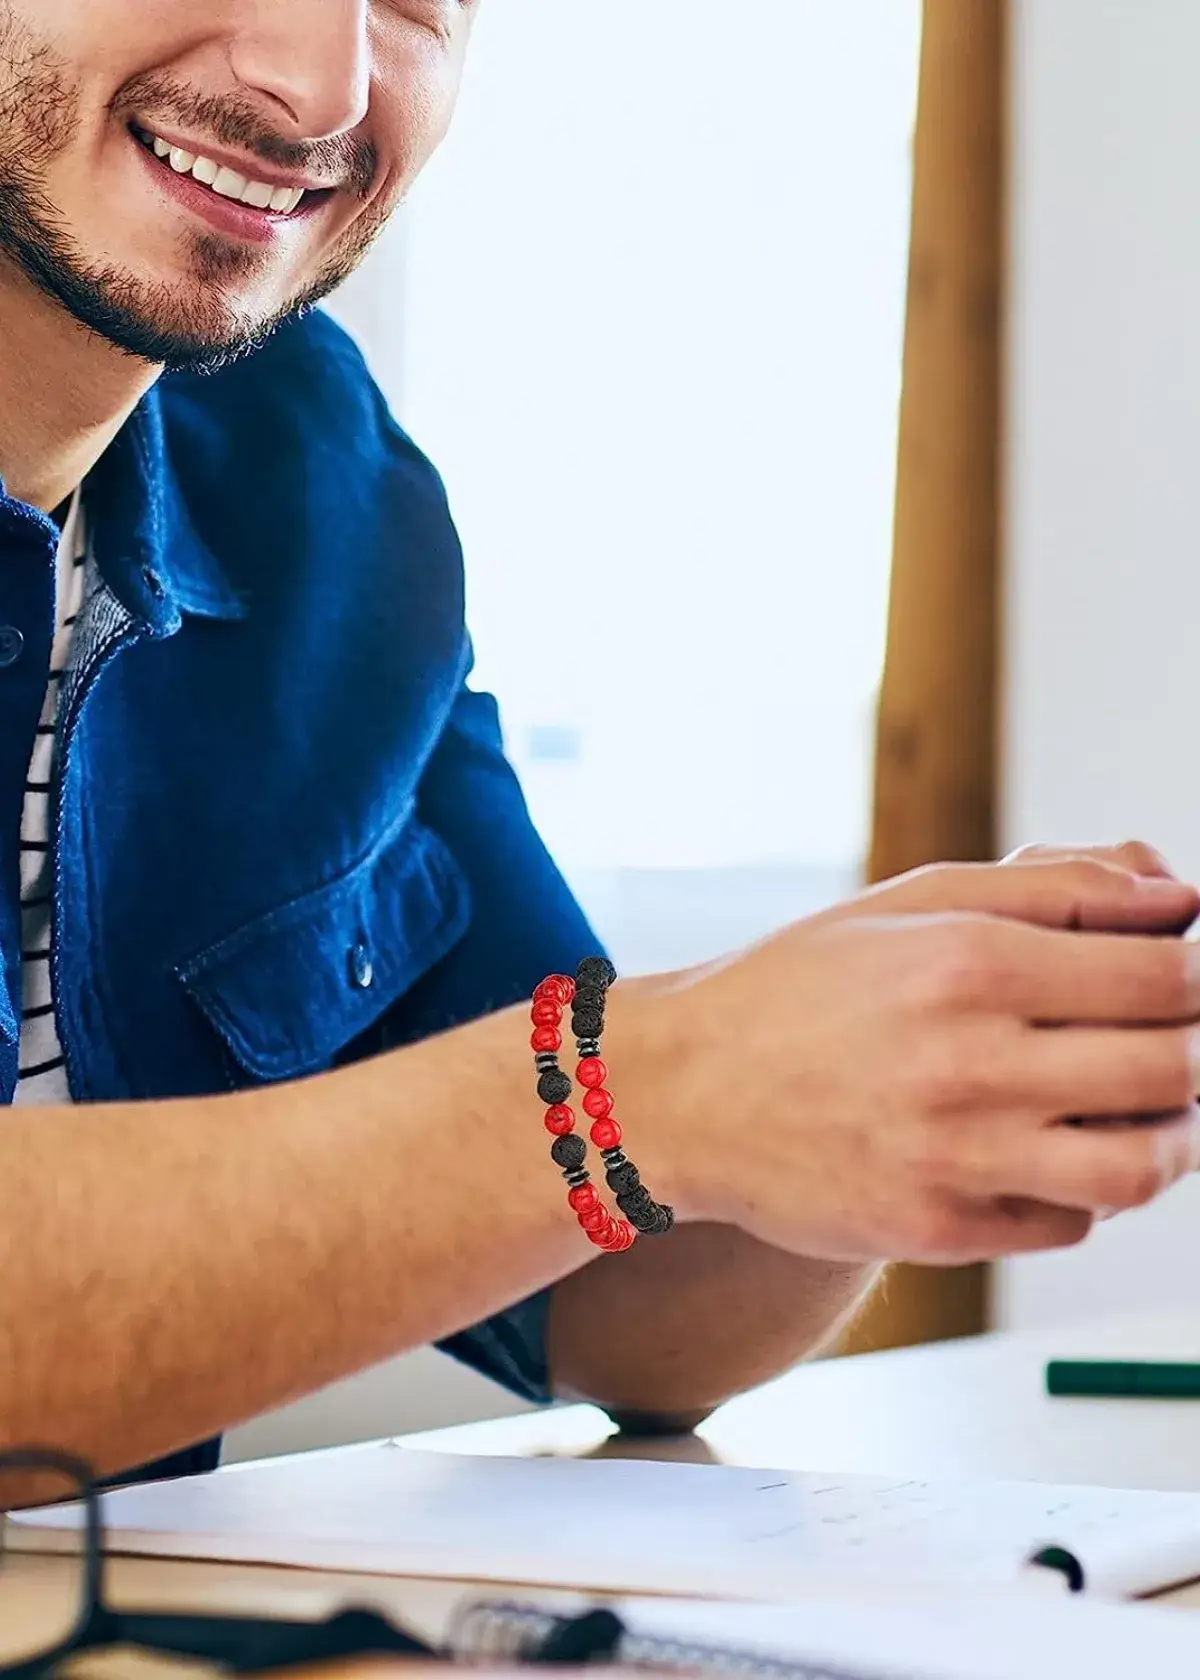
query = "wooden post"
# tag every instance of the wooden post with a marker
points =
(935, 770)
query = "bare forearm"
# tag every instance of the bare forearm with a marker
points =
(683, 1324)
(170, 1269)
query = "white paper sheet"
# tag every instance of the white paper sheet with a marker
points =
(966, 1635)
(639, 1526)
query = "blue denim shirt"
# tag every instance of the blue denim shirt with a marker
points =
(286, 832)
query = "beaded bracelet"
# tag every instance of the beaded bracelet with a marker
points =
(587, 993)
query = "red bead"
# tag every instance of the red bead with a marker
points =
(628, 1235)
(604, 1237)
(548, 989)
(598, 1103)
(595, 1218)
(545, 1038)
(583, 1198)
(560, 1119)
(591, 1071)
(567, 986)
(605, 1134)
(546, 1013)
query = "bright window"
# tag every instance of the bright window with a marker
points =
(646, 316)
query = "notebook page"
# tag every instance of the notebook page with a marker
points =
(639, 1526)
(961, 1635)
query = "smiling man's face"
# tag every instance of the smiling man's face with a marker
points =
(179, 177)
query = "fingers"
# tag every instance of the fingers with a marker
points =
(1081, 893)
(956, 1230)
(1015, 1225)
(1134, 855)
(1118, 1071)
(1039, 974)
(1104, 1167)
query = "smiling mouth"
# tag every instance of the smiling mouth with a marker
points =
(225, 182)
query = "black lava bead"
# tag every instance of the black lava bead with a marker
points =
(568, 1152)
(623, 1179)
(554, 1086)
(589, 997)
(587, 1023)
(595, 971)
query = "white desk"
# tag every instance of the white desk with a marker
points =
(974, 1408)
(969, 1409)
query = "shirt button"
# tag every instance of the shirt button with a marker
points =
(362, 969)
(12, 645)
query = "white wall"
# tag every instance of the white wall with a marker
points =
(654, 313)
(1104, 515)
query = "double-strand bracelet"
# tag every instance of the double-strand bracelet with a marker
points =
(587, 995)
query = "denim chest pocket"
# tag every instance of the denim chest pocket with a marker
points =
(294, 987)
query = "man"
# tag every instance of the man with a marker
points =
(271, 900)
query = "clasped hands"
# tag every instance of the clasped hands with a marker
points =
(968, 1061)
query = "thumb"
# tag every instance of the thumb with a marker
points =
(1083, 893)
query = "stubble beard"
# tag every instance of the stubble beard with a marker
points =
(195, 324)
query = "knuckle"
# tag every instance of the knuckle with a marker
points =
(1094, 872)
(947, 1078)
(1142, 858)
(958, 967)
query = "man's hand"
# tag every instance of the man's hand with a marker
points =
(891, 1078)
(1135, 857)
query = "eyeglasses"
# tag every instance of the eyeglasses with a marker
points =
(53, 1607)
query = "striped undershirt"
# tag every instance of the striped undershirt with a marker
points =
(42, 1077)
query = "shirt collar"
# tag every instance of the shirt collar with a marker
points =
(145, 544)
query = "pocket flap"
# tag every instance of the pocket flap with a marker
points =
(291, 989)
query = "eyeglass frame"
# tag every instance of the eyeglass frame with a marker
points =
(243, 1645)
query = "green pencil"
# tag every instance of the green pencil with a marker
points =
(1128, 1379)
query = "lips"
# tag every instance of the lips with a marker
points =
(260, 195)
(220, 180)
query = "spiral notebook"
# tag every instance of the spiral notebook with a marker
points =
(909, 1636)
(634, 1526)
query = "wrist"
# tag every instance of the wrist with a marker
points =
(648, 1051)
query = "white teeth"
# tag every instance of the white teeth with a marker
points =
(229, 183)
(260, 195)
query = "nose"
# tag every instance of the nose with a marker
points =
(309, 58)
